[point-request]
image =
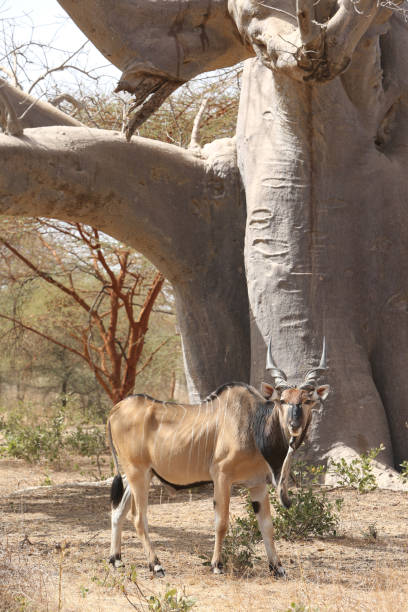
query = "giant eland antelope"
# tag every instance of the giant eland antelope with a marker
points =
(236, 435)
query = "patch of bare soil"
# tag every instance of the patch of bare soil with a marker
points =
(55, 542)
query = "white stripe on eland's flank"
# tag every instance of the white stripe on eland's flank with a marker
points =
(226, 407)
(218, 414)
(206, 424)
(159, 427)
(146, 410)
(179, 424)
(192, 433)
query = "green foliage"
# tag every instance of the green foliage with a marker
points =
(172, 599)
(404, 471)
(306, 474)
(239, 545)
(310, 515)
(87, 441)
(300, 607)
(49, 439)
(357, 473)
(33, 443)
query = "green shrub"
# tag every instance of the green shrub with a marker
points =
(49, 439)
(172, 599)
(89, 442)
(239, 545)
(404, 471)
(357, 473)
(33, 442)
(299, 607)
(310, 515)
(305, 474)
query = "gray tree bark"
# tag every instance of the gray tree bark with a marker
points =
(324, 169)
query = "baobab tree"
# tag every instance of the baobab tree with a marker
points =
(295, 230)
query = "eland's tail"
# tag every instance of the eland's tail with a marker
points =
(117, 488)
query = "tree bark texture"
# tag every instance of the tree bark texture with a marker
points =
(324, 169)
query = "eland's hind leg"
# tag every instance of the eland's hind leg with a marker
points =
(262, 509)
(139, 480)
(117, 517)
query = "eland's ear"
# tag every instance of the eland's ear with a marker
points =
(323, 391)
(269, 392)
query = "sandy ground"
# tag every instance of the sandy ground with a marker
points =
(55, 542)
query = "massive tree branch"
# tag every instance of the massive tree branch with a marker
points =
(158, 44)
(186, 214)
(155, 196)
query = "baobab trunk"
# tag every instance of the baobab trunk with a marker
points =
(323, 169)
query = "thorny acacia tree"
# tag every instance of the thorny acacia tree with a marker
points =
(99, 277)
(320, 157)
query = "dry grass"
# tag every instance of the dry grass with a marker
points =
(351, 572)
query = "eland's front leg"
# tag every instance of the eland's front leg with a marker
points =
(262, 509)
(222, 493)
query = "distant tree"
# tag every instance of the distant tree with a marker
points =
(102, 296)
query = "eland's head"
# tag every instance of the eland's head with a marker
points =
(295, 403)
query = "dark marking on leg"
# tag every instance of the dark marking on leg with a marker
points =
(214, 503)
(256, 506)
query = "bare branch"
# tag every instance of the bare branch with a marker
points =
(152, 354)
(63, 66)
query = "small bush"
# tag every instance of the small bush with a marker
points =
(304, 474)
(49, 439)
(299, 607)
(89, 442)
(172, 599)
(33, 443)
(311, 514)
(357, 473)
(404, 471)
(239, 545)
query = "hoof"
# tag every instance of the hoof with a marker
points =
(217, 568)
(277, 570)
(158, 571)
(116, 561)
